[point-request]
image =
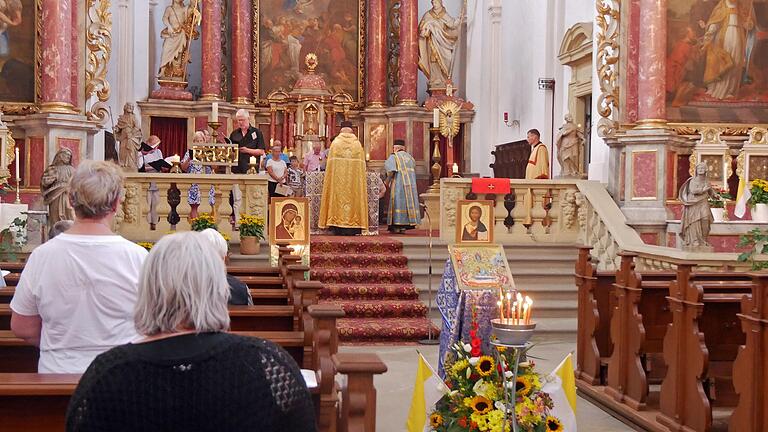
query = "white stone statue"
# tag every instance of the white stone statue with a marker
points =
(570, 145)
(697, 217)
(54, 187)
(181, 23)
(128, 135)
(438, 36)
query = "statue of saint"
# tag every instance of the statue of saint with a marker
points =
(54, 187)
(438, 36)
(181, 23)
(697, 217)
(569, 142)
(128, 135)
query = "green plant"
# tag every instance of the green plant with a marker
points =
(757, 241)
(759, 191)
(203, 222)
(13, 238)
(252, 226)
(718, 201)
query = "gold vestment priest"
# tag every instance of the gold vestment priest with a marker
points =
(538, 163)
(345, 194)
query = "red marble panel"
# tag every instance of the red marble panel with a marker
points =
(73, 144)
(418, 140)
(650, 238)
(211, 48)
(241, 50)
(633, 52)
(377, 141)
(74, 73)
(671, 173)
(27, 198)
(56, 43)
(676, 210)
(683, 166)
(35, 161)
(409, 50)
(376, 80)
(400, 131)
(726, 243)
(201, 123)
(622, 176)
(644, 181)
(671, 240)
(652, 60)
(264, 127)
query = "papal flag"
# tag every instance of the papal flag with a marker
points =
(742, 198)
(561, 387)
(427, 390)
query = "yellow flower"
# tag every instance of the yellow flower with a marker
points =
(146, 245)
(485, 366)
(459, 366)
(435, 420)
(523, 386)
(500, 348)
(553, 424)
(481, 405)
(226, 237)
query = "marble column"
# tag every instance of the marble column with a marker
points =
(56, 42)
(241, 51)
(291, 135)
(377, 53)
(409, 51)
(272, 122)
(211, 47)
(284, 136)
(652, 111)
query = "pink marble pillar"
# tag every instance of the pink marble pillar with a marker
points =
(285, 127)
(377, 53)
(652, 63)
(272, 123)
(291, 120)
(211, 47)
(56, 42)
(241, 51)
(409, 51)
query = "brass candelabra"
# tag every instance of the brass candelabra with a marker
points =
(215, 126)
(436, 168)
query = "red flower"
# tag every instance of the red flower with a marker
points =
(476, 352)
(473, 426)
(463, 422)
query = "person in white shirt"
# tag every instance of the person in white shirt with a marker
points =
(76, 295)
(277, 169)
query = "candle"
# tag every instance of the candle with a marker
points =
(367, 156)
(175, 159)
(509, 303)
(455, 168)
(519, 299)
(529, 307)
(271, 142)
(295, 129)
(215, 112)
(327, 130)
(435, 117)
(17, 166)
(501, 311)
(252, 160)
(290, 154)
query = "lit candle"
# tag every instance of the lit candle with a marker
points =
(435, 117)
(175, 159)
(17, 165)
(529, 307)
(525, 313)
(271, 142)
(501, 310)
(367, 156)
(509, 304)
(215, 112)
(252, 160)
(519, 299)
(455, 168)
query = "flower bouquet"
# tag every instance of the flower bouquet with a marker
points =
(719, 200)
(251, 231)
(203, 222)
(759, 192)
(476, 402)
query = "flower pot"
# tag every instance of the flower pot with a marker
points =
(760, 213)
(249, 245)
(718, 214)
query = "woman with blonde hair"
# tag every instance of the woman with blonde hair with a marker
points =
(193, 166)
(187, 373)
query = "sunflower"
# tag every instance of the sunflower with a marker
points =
(485, 365)
(481, 405)
(523, 386)
(553, 424)
(436, 420)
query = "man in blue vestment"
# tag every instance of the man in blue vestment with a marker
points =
(404, 211)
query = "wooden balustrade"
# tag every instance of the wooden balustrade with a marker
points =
(358, 396)
(172, 205)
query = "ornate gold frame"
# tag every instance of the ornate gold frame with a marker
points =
(23, 108)
(301, 202)
(361, 62)
(98, 41)
(460, 206)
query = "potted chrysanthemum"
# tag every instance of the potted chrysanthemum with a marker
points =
(759, 200)
(251, 233)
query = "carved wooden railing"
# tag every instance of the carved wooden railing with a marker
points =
(172, 207)
(358, 396)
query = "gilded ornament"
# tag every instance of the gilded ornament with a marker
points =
(758, 135)
(98, 39)
(693, 159)
(449, 118)
(741, 163)
(608, 24)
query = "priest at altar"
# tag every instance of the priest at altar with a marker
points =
(344, 203)
(538, 161)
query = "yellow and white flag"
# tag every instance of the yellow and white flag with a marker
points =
(561, 386)
(742, 198)
(427, 390)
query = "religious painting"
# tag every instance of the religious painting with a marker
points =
(289, 220)
(717, 61)
(18, 52)
(481, 267)
(474, 222)
(288, 30)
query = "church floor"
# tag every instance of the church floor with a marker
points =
(395, 387)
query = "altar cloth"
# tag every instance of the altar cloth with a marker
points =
(314, 192)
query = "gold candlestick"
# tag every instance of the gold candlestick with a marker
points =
(18, 191)
(176, 168)
(436, 169)
(215, 126)
(251, 169)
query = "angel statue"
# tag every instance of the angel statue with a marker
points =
(438, 36)
(181, 23)
(570, 143)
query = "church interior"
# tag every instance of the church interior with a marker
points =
(449, 215)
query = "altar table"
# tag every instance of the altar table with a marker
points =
(314, 192)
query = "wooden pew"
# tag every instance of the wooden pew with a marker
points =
(35, 402)
(358, 395)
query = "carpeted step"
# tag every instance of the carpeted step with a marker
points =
(384, 329)
(355, 245)
(380, 308)
(367, 275)
(367, 260)
(374, 291)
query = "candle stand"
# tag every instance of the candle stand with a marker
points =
(513, 337)
(215, 126)
(176, 168)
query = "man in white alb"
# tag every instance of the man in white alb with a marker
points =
(76, 295)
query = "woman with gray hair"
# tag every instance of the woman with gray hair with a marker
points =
(187, 373)
(76, 295)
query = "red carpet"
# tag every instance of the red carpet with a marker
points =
(369, 278)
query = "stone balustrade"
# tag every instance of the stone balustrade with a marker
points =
(172, 206)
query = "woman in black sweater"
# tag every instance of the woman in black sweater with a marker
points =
(187, 374)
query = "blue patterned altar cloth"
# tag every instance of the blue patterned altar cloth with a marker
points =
(456, 308)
